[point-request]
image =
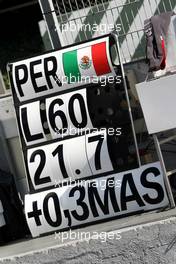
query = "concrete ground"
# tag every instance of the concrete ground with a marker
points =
(149, 238)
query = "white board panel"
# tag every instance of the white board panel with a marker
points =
(76, 159)
(97, 152)
(30, 123)
(49, 73)
(68, 114)
(158, 102)
(141, 189)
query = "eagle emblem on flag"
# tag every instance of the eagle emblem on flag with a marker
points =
(85, 63)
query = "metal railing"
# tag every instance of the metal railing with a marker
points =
(77, 17)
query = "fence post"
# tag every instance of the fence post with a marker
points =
(51, 20)
(166, 180)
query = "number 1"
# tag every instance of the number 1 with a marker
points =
(59, 151)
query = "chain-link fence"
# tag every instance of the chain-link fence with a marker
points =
(81, 20)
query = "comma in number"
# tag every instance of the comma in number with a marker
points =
(67, 215)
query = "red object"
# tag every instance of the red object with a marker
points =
(163, 63)
(99, 58)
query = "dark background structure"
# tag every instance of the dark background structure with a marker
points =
(19, 30)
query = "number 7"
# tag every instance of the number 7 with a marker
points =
(100, 139)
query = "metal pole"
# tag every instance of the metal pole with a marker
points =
(127, 97)
(166, 180)
(2, 85)
(52, 23)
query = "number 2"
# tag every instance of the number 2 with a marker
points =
(37, 179)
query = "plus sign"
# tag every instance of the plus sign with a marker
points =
(35, 213)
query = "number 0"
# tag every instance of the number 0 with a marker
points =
(75, 122)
